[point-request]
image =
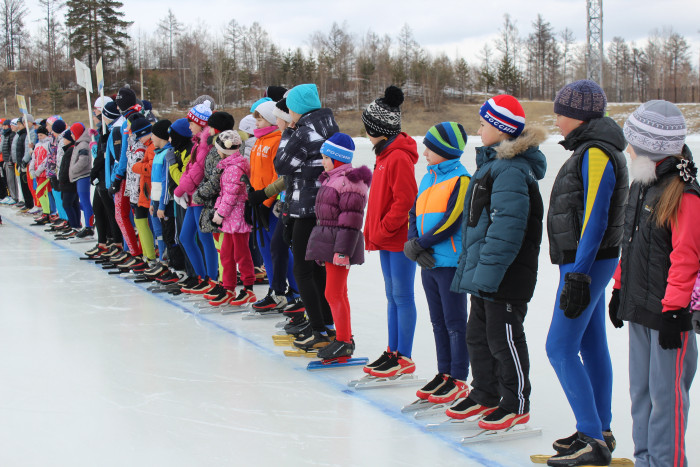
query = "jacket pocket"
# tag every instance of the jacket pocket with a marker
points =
(480, 199)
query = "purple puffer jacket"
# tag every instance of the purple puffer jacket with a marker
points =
(231, 201)
(340, 208)
(194, 172)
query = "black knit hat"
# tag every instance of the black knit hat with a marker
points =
(59, 126)
(111, 111)
(160, 129)
(276, 93)
(126, 98)
(141, 127)
(221, 121)
(42, 130)
(383, 116)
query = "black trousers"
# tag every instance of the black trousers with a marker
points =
(179, 219)
(26, 192)
(175, 256)
(310, 277)
(105, 219)
(498, 355)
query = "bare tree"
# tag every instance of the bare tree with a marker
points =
(13, 14)
(170, 28)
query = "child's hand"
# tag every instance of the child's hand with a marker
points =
(217, 219)
(151, 210)
(161, 214)
(340, 259)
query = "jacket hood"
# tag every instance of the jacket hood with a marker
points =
(445, 167)
(354, 175)
(233, 159)
(404, 142)
(603, 129)
(525, 146)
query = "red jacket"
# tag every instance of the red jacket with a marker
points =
(392, 195)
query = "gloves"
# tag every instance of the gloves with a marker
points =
(288, 229)
(670, 330)
(613, 306)
(576, 294)
(422, 256)
(340, 259)
(115, 187)
(696, 321)
(257, 197)
(182, 200)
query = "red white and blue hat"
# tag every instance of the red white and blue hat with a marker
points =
(339, 147)
(505, 113)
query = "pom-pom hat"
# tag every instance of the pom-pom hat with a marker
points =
(339, 147)
(200, 113)
(504, 113)
(446, 139)
(383, 116)
(227, 142)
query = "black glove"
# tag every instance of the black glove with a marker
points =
(576, 294)
(613, 306)
(257, 197)
(288, 229)
(670, 330)
(115, 187)
(425, 259)
(54, 183)
(696, 321)
(412, 249)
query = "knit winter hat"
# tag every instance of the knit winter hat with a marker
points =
(339, 147)
(67, 135)
(255, 105)
(504, 113)
(383, 116)
(221, 121)
(227, 142)
(77, 129)
(111, 111)
(141, 127)
(59, 126)
(267, 111)
(276, 93)
(303, 98)
(200, 113)
(446, 139)
(281, 111)
(581, 100)
(126, 98)
(656, 130)
(42, 131)
(160, 129)
(181, 126)
(247, 124)
(101, 101)
(205, 97)
(29, 118)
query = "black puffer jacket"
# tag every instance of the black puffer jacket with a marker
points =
(7, 137)
(63, 171)
(565, 216)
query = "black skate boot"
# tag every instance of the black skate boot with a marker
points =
(337, 351)
(564, 444)
(385, 357)
(297, 325)
(312, 342)
(85, 232)
(584, 451)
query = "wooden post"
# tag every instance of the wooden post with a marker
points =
(30, 105)
(78, 100)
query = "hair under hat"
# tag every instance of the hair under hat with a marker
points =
(656, 130)
(339, 147)
(303, 98)
(581, 100)
(160, 129)
(200, 113)
(504, 113)
(221, 121)
(446, 139)
(227, 142)
(383, 116)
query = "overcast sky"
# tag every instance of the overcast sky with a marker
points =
(453, 26)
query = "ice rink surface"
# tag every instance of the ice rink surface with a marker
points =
(98, 371)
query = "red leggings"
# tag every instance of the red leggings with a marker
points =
(122, 210)
(235, 252)
(337, 296)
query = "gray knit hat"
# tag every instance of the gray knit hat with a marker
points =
(656, 130)
(582, 100)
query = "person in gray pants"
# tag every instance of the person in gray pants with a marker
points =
(7, 136)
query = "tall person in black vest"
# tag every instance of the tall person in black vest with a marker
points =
(584, 224)
(659, 265)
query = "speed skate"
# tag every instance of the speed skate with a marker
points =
(372, 382)
(514, 432)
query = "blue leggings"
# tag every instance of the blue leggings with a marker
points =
(279, 264)
(158, 232)
(83, 186)
(56, 195)
(190, 229)
(586, 380)
(399, 274)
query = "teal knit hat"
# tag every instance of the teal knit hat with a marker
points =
(446, 139)
(303, 98)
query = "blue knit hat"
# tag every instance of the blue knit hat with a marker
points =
(258, 102)
(181, 126)
(303, 98)
(446, 139)
(581, 100)
(141, 127)
(505, 113)
(339, 147)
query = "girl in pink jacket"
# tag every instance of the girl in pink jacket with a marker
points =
(230, 215)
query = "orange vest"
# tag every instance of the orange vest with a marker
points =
(262, 157)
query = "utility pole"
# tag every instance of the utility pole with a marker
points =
(594, 41)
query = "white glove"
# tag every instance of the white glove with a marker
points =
(182, 200)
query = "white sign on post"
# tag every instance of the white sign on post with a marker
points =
(84, 79)
(99, 73)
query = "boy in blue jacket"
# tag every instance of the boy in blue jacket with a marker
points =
(435, 242)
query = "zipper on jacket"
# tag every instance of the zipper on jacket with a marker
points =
(638, 210)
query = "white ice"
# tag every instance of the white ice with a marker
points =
(97, 371)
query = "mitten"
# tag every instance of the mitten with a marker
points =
(425, 259)
(670, 330)
(340, 259)
(257, 197)
(613, 306)
(412, 249)
(576, 294)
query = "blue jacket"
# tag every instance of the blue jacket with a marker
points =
(436, 216)
(502, 226)
(159, 178)
(113, 151)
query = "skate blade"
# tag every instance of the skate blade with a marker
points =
(620, 461)
(227, 310)
(300, 353)
(429, 412)
(281, 324)
(83, 240)
(452, 424)
(343, 362)
(516, 432)
(371, 382)
(251, 314)
(415, 406)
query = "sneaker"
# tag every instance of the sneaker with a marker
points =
(85, 232)
(452, 390)
(222, 298)
(336, 350)
(271, 301)
(467, 408)
(397, 365)
(111, 251)
(129, 262)
(245, 297)
(314, 341)
(564, 444)
(214, 292)
(202, 287)
(380, 361)
(120, 257)
(584, 451)
(500, 419)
